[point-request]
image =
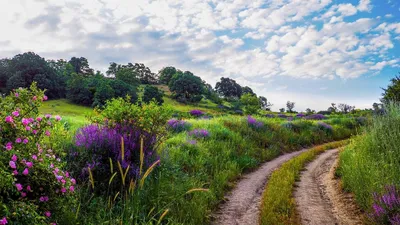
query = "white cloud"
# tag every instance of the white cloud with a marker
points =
(364, 5)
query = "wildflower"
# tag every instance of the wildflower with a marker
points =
(9, 119)
(23, 194)
(3, 221)
(71, 189)
(14, 158)
(73, 181)
(12, 165)
(34, 157)
(316, 117)
(59, 177)
(325, 126)
(15, 113)
(58, 118)
(192, 142)
(196, 112)
(45, 98)
(39, 119)
(63, 190)
(28, 128)
(25, 121)
(48, 116)
(18, 140)
(29, 188)
(29, 164)
(44, 199)
(25, 141)
(47, 133)
(9, 146)
(47, 214)
(16, 95)
(34, 98)
(25, 172)
(199, 133)
(15, 173)
(254, 123)
(18, 186)
(34, 132)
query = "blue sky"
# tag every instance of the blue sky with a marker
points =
(312, 52)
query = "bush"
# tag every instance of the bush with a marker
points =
(33, 186)
(178, 126)
(253, 123)
(315, 117)
(152, 93)
(196, 112)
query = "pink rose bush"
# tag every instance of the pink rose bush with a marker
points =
(33, 184)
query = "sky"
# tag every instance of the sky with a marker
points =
(312, 52)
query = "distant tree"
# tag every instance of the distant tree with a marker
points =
(265, 105)
(78, 90)
(332, 108)
(310, 111)
(166, 73)
(103, 93)
(282, 110)
(251, 103)
(211, 94)
(392, 92)
(4, 73)
(186, 87)
(290, 106)
(144, 73)
(228, 88)
(81, 66)
(113, 69)
(127, 75)
(344, 108)
(247, 90)
(122, 89)
(152, 93)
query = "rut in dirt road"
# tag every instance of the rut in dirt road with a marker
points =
(318, 196)
(242, 204)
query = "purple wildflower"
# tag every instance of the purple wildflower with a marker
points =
(253, 123)
(196, 112)
(199, 133)
(178, 125)
(315, 117)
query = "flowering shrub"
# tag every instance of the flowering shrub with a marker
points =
(178, 126)
(101, 148)
(282, 116)
(324, 126)
(270, 115)
(253, 123)
(32, 182)
(199, 133)
(315, 117)
(300, 115)
(386, 207)
(196, 112)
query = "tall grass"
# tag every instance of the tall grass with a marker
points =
(372, 160)
(278, 205)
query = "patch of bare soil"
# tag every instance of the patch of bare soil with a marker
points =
(242, 204)
(319, 197)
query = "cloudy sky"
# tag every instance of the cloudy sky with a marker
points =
(313, 52)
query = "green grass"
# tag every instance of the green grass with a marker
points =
(372, 160)
(278, 205)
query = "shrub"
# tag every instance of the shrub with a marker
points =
(325, 127)
(270, 115)
(300, 115)
(253, 123)
(282, 116)
(386, 206)
(33, 186)
(178, 126)
(196, 112)
(315, 117)
(151, 93)
(199, 133)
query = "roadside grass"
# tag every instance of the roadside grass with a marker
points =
(278, 205)
(372, 160)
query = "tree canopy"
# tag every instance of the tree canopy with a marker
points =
(228, 88)
(186, 87)
(392, 92)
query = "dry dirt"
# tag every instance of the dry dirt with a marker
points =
(242, 204)
(319, 197)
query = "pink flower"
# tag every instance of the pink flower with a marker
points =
(4, 220)
(53, 224)
(34, 132)
(29, 164)
(19, 187)
(51, 165)
(27, 128)
(71, 189)
(14, 158)
(15, 173)
(47, 133)
(58, 118)
(59, 177)
(12, 165)
(66, 174)
(48, 116)
(9, 146)
(23, 194)
(41, 199)
(46, 198)
(34, 157)
(63, 181)
(56, 170)
(25, 172)
(73, 181)
(34, 98)
(31, 120)
(18, 140)
(9, 119)
(25, 121)
(26, 141)
(15, 113)
(16, 94)
(47, 214)
(39, 119)
(63, 190)
(28, 188)
(45, 98)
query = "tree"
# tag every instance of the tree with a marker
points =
(251, 103)
(81, 66)
(122, 89)
(78, 90)
(290, 106)
(186, 87)
(247, 90)
(166, 73)
(103, 93)
(282, 110)
(4, 72)
(344, 108)
(265, 105)
(228, 88)
(310, 111)
(144, 73)
(152, 93)
(333, 108)
(392, 92)
(128, 76)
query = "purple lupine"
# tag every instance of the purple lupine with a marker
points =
(270, 115)
(196, 112)
(199, 133)
(386, 206)
(282, 116)
(177, 126)
(325, 126)
(253, 123)
(315, 117)
(300, 115)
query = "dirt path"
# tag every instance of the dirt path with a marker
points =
(319, 198)
(242, 204)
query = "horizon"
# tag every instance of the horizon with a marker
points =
(322, 52)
